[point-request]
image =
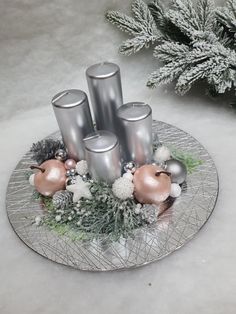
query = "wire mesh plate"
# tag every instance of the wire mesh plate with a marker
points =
(175, 227)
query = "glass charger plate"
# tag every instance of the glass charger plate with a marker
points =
(175, 227)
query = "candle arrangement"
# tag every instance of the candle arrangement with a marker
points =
(110, 179)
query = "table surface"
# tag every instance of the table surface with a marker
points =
(46, 47)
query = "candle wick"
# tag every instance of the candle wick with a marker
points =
(60, 96)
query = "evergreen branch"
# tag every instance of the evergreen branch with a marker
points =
(206, 14)
(124, 22)
(227, 15)
(142, 27)
(135, 44)
(195, 42)
(158, 12)
(142, 13)
(191, 162)
(169, 51)
(166, 74)
(191, 75)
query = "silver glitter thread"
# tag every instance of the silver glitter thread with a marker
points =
(73, 115)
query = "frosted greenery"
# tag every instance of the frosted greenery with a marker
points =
(104, 214)
(195, 41)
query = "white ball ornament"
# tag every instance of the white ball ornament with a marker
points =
(58, 218)
(123, 188)
(37, 220)
(31, 179)
(138, 208)
(82, 167)
(162, 154)
(175, 190)
(128, 175)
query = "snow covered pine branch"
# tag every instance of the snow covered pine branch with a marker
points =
(195, 42)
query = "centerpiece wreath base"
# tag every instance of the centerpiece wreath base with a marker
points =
(181, 220)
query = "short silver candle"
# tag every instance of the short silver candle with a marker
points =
(73, 115)
(135, 132)
(102, 153)
(105, 91)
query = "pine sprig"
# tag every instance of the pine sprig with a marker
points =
(142, 27)
(227, 16)
(195, 42)
(102, 215)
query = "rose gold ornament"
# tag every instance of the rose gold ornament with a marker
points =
(70, 164)
(50, 178)
(151, 184)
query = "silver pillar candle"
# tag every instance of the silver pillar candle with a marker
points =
(135, 132)
(105, 91)
(73, 115)
(102, 151)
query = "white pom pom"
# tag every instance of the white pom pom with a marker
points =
(31, 179)
(82, 167)
(162, 154)
(58, 218)
(37, 220)
(123, 188)
(138, 208)
(128, 175)
(175, 190)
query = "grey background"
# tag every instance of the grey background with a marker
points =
(46, 47)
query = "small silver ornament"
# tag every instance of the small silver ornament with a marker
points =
(85, 177)
(61, 155)
(177, 169)
(70, 173)
(70, 180)
(130, 166)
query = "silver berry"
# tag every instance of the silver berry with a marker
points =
(61, 155)
(130, 166)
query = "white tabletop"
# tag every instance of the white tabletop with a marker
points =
(46, 47)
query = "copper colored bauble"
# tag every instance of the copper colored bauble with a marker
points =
(50, 177)
(70, 164)
(151, 184)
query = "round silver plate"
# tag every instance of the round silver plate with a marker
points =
(175, 227)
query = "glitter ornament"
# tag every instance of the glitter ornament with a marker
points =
(82, 167)
(123, 188)
(61, 155)
(175, 190)
(177, 169)
(70, 164)
(162, 154)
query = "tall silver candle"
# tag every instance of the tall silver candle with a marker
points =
(73, 115)
(102, 153)
(105, 90)
(135, 132)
